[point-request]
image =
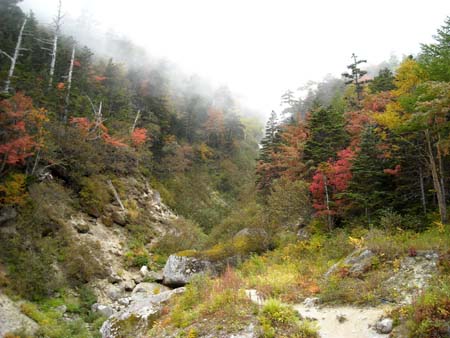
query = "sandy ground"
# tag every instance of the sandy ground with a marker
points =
(357, 324)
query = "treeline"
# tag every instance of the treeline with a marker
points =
(71, 115)
(368, 147)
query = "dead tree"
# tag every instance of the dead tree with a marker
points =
(69, 86)
(15, 56)
(53, 43)
(138, 115)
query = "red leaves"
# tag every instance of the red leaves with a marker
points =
(93, 131)
(60, 86)
(334, 176)
(18, 119)
(139, 136)
(113, 141)
(393, 172)
(99, 78)
(76, 63)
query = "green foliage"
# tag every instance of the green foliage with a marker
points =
(435, 57)
(289, 202)
(186, 235)
(370, 186)
(327, 135)
(279, 320)
(429, 315)
(94, 194)
(384, 81)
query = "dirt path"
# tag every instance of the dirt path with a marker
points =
(356, 324)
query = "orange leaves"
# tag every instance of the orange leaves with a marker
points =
(21, 126)
(99, 79)
(93, 131)
(60, 86)
(113, 141)
(393, 172)
(139, 136)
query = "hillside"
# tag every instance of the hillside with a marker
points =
(140, 201)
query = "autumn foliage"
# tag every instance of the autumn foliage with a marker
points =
(333, 178)
(22, 132)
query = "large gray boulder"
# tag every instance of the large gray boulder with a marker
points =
(357, 263)
(11, 318)
(138, 317)
(179, 270)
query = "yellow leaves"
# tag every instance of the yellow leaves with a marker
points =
(396, 264)
(357, 243)
(390, 119)
(408, 76)
(205, 151)
(13, 190)
(440, 226)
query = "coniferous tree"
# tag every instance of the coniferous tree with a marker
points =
(384, 81)
(327, 135)
(370, 186)
(355, 75)
(435, 57)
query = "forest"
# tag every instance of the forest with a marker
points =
(360, 162)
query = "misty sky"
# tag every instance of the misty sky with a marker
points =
(261, 48)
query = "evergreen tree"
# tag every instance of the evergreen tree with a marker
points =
(355, 75)
(435, 57)
(384, 81)
(370, 185)
(271, 139)
(327, 135)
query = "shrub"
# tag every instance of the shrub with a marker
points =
(279, 320)
(94, 194)
(187, 236)
(429, 315)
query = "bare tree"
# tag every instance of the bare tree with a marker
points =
(138, 115)
(15, 56)
(53, 43)
(69, 86)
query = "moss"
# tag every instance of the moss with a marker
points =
(133, 326)
(188, 253)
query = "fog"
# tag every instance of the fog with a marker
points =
(261, 48)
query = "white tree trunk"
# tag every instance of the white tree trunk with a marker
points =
(69, 86)
(138, 115)
(14, 58)
(57, 24)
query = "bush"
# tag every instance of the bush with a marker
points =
(279, 320)
(429, 315)
(94, 194)
(186, 236)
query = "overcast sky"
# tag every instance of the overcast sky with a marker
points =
(261, 48)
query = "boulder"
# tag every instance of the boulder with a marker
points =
(114, 292)
(156, 276)
(128, 285)
(12, 319)
(137, 318)
(311, 302)
(384, 326)
(150, 288)
(104, 310)
(119, 217)
(358, 262)
(80, 224)
(179, 270)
